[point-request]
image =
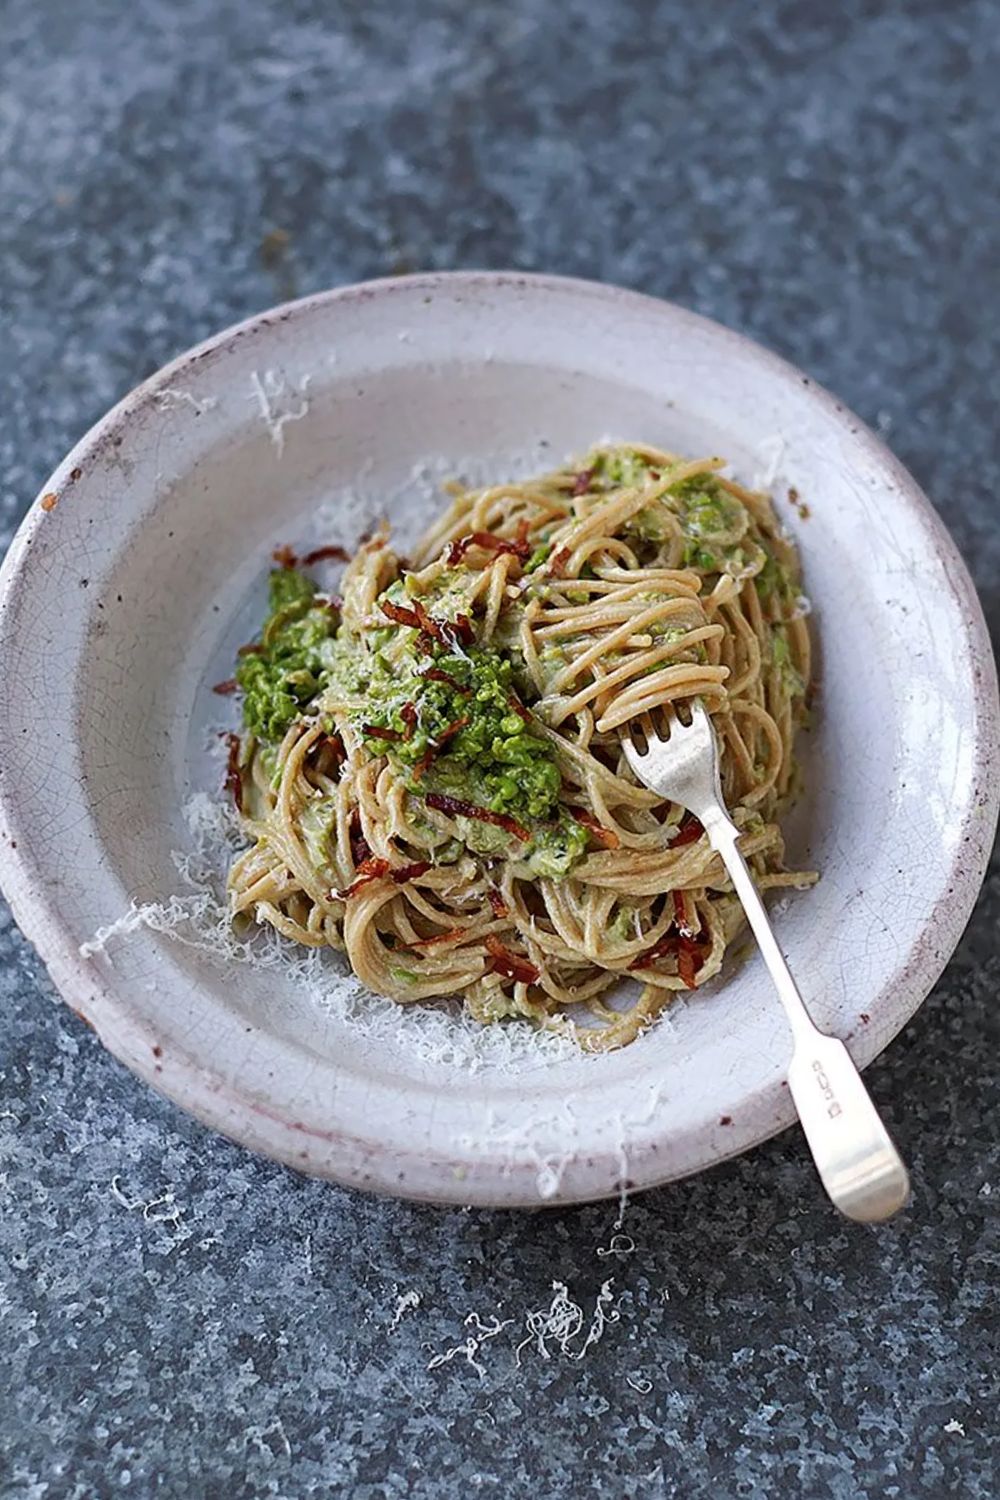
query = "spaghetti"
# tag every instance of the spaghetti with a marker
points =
(432, 778)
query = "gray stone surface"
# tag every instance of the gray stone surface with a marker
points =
(821, 176)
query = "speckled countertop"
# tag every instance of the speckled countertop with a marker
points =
(180, 1319)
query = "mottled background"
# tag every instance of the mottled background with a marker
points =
(179, 1319)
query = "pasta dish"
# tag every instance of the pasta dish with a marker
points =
(431, 775)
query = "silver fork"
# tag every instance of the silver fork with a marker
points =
(856, 1159)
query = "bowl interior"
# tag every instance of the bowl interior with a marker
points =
(310, 425)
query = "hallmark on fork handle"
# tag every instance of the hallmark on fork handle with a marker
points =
(833, 1109)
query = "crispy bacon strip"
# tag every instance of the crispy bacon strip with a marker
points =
(376, 868)
(399, 614)
(437, 937)
(518, 707)
(435, 674)
(450, 732)
(499, 905)
(446, 632)
(446, 734)
(689, 832)
(458, 632)
(372, 868)
(225, 688)
(442, 631)
(423, 764)
(510, 965)
(320, 554)
(582, 483)
(668, 943)
(427, 623)
(605, 836)
(459, 809)
(285, 557)
(360, 848)
(410, 872)
(234, 781)
(558, 561)
(680, 915)
(459, 547)
(490, 543)
(408, 714)
(690, 958)
(378, 732)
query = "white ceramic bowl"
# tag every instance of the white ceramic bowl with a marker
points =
(140, 568)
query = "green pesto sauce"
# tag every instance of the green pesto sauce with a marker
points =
(711, 520)
(293, 661)
(775, 583)
(493, 759)
(494, 753)
(782, 657)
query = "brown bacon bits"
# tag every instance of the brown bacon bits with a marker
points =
(435, 674)
(518, 707)
(376, 868)
(450, 731)
(689, 832)
(449, 633)
(234, 781)
(459, 809)
(445, 632)
(410, 872)
(490, 543)
(372, 868)
(285, 557)
(690, 957)
(499, 905)
(449, 936)
(689, 953)
(510, 965)
(399, 614)
(582, 482)
(446, 734)
(408, 714)
(321, 554)
(558, 561)
(666, 944)
(380, 732)
(423, 764)
(360, 848)
(225, 688)
(680, 915)
(461, 632)
(605, 836)
(428, 625)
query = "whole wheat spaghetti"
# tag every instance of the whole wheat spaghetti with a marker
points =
(432, 779)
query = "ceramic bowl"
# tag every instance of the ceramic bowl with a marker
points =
(141, 567)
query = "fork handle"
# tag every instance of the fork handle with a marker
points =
(859, 1166)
